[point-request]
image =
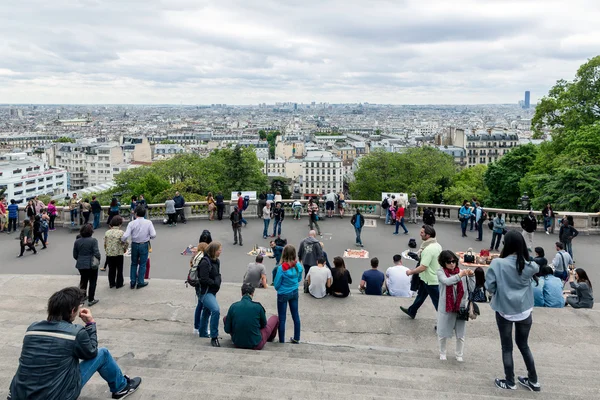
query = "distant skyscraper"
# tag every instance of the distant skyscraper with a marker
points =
(527, 96)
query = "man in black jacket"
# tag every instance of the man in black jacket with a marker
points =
(179, 203)
(59, 374)
(236, 225)
(220, 199)
(529, 225)
(358, 221)
(96, 210)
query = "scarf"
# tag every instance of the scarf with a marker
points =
(452, 304)
(425, 244)
(285, 266)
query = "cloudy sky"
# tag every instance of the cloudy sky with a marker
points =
(251, 51)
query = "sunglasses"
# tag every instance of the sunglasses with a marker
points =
(451, 262)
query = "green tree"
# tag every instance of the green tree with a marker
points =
(425, 171)
(467, 184)
(503, 177)
(272, 139)
(167, 141)
(64, 139)
(262, 134)
(279, 184)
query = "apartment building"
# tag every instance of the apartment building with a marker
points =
(24, 177)
(322, 173)
(27, 141)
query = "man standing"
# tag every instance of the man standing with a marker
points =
(240, 206)
(479, 221)
(278, 216)
(566, 234)
(372, 280)
(220, 199)
(262, 202)
(529, 225)
(309, 252)
(96, 210)
(412, 207)
(330, 204)
(142, 203)
(358, 221)
(179, 203)
(73, 207)
(266, 216)
(236, 224)
(59, 374)
(313, 215)
(13, 215)
(429, 252)
(256, 273)
(247, 323)
(396, 279)
(141, 231)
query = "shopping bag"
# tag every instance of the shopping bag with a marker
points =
(147, 276)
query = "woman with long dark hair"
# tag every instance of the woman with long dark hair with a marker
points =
(581, 294)
(209, 274)
(509, 281)
(341, 279)
(87, 254)
(113, 209)
(287, 279)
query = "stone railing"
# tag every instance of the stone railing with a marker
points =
(586, 223)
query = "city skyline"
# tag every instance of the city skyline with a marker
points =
(232, 52)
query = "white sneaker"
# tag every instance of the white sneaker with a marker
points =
(459, 359)
(547, 233)
(196, 332)
(443, 357)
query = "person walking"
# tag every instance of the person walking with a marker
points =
(26, 238)
(210, 202)
(498, 230)
(266, 216)
(400, 210)
(87, 256)
(141, 231)
(209, 275)
(358, 221)
(412, 207)
(13, 215)
(313, 215)
(508, 279)
(464, 215)
(96, 211)
(114, 248)
(236, 225)
(454, 295)
(38, 231)
(566, 234)
(548, 214)
(429, 253)
(171, 211)
(278, 217)
(220, 206)
(113, 209)
(52, 215)
(287, 279)
(309, 252)
(179, 204)
(529, 225)
(240, 205)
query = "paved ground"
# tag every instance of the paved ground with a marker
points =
(338, 236)
(358, 348)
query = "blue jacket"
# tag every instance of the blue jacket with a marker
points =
(277, 251)
(553, 288)
(465, 212)
(287, 282)
(13, 210)
(512, 293)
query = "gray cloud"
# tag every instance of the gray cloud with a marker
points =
(236, 51)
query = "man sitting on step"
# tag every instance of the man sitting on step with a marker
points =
(247, 323)
(58, 374)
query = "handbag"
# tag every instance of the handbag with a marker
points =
(469, 257)
(484, 253)
(147, 274)
(95, 263)
(471, 311)
(491, 225)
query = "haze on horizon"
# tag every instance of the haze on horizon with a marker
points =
(249, 52)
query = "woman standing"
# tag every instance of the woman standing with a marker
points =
(278, 198)
(548, 214)
(52, 214)
(87, 254)
(114, 248)
(209, 274)
(464, 214)
(170, 211)
(509, 281)
(132, 207)
(195, 260)
(113, 209)
(26, 238)
(287, 279)
(210, 201)
(30, 210)
(497, 232)
(454, 294)
(581, 295)
(341, 279)
(86, 209)
(341, 204)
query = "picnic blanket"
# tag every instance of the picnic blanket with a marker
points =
(263, 251)
(353, 253)
(461, 257)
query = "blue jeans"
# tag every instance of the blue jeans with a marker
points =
(73, 215)
(242, 220)
(266, 221)
(400, 223)
(107, 367)
(463, 225)
(357, 231)
(388, 216)
(96, 220)
(472, 219)
(425, 290)
(139, 256)
(276, 224)
(210, 310)
(480, 230)
(569, 248)
(282, 301)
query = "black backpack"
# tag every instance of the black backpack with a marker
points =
(484, 216)
(246, 202)
(280, 242)
(385, 204)
(205, 237)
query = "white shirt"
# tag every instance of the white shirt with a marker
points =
(278, 198)
(267, 212)
(318, 281)
(517, 317)
(330, 197)
(397, 282)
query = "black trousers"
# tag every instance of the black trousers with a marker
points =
(88, 276)
(220, 208)
(115, 271)
(39, 236)
(522, 329)
(86, 217)
(51, 223)
(30, 245)
(181, 214)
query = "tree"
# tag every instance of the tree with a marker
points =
(279, 184)
(272, 139)
(64, 139)
(467, 184)
(262, 134)
(425, 171)
(167, 141)
(502, 177)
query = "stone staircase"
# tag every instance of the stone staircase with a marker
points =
(356, 348)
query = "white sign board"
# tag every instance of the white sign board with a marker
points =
(400, 197)
(234, 195)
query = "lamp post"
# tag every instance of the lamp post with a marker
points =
(525, 202)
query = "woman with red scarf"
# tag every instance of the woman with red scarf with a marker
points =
(453, 296)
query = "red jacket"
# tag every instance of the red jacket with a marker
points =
(241, 203)
(400, 212)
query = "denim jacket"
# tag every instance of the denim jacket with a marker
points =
(512, 293)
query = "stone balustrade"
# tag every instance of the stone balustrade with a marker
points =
(586, 223)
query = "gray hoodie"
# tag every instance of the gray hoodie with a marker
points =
(170, 206)
(309, 251)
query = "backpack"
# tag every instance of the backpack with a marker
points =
(236, 218)
(43, 226)
(484, 216)
(385, 204)
(246, 202)
(192, 278)
(205, 237)
(280, 242)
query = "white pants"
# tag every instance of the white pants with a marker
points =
(460, 345)
(528, 239)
